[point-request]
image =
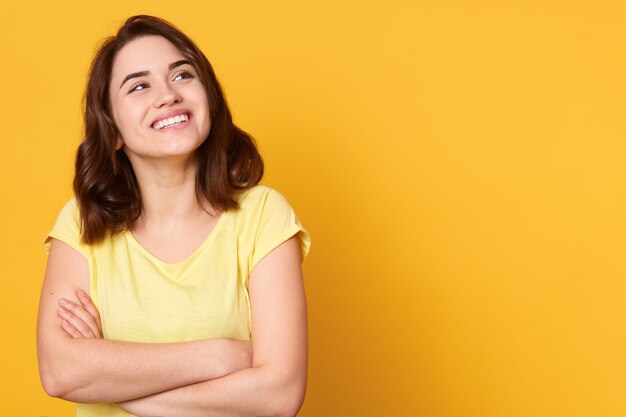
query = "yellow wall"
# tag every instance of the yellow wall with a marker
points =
(460, 165)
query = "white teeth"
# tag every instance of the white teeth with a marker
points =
(170, 121)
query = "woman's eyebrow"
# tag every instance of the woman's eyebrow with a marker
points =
(134, 75)
(179, 63)
(142, 73)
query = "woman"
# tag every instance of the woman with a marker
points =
(174, 282)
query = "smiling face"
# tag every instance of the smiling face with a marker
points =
(159, 104)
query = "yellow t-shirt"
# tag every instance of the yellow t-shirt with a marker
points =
(143, 299)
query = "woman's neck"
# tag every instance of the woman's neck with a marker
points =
(173, 222)
(168, 193)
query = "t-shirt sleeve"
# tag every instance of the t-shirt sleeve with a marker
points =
(277, 223)
(67, 229)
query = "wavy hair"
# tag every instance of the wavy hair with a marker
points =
(105, 186)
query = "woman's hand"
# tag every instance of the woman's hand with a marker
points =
(80, 320)
(83, 320)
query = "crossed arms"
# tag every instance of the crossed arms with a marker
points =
(207, 377)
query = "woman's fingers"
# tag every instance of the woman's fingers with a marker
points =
(83, 318)
(78, 317)
(88, 305)
(71, 330)
(73, 322)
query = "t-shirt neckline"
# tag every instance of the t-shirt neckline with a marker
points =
(192, 255)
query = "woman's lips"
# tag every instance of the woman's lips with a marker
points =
(169, 118)
(172, 121)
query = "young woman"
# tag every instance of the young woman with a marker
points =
(174, 283)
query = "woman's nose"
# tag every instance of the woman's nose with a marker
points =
(167, 95)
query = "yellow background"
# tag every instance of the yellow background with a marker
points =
(460, 165)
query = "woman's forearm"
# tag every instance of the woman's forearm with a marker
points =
(275, 385)
(252, 392)
(89, 370)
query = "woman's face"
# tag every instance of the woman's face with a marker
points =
(158, 102)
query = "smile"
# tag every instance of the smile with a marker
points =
(171, 121)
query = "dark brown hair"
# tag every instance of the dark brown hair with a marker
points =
(105, 186)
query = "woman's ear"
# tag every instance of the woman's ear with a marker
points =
(119, 144)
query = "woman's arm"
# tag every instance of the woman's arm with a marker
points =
(90, 370)
(276, 383)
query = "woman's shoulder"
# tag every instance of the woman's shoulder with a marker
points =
(262, 201)
(69, 215)
(267, 220)
(255, 196)
(67, 227)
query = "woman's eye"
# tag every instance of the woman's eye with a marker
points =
(182, 75)
(138, 86)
